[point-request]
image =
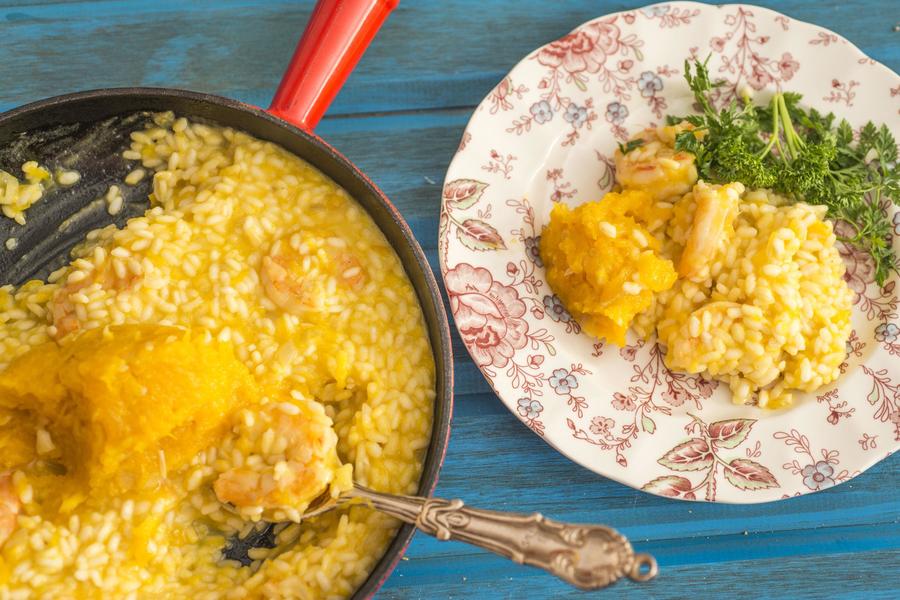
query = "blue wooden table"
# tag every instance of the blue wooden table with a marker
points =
(400, 118)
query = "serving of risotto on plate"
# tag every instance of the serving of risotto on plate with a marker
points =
(218, 363)
(738, 284)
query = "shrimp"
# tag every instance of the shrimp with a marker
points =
(655, 166)
(63, 310)
(717, 207)
(295, 273)
(299, 453)
(288, 292)
(63, 317)
(10, 505)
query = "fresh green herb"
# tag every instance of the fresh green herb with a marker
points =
(802, 154)
(630, 145)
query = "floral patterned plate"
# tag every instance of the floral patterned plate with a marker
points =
(546, 134)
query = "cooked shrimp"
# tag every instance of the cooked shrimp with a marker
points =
(300, 461)
(295, 274)
(62, 315)
(286, 291)
(717, 207)
(63, 310)
(655, 166)
(9, 507)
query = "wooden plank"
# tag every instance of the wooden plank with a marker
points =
(406, 154)
(869, 575)
(430, 54)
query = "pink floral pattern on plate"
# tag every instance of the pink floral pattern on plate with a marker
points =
(546, 134)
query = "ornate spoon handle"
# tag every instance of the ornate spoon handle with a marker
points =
(587, 556)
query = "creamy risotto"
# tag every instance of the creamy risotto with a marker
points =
(739, 285)
(220, 361)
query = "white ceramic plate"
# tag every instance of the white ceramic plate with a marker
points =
(547, 134)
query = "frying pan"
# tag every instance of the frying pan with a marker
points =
(87, 131)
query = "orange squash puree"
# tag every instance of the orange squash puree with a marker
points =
(603, 262)
(17, 439)
(122, 405)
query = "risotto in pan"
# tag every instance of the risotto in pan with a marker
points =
(218, 363)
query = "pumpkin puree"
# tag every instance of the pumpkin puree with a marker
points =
(121, 405)
(604, 263)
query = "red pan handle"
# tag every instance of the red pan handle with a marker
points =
(337, 35)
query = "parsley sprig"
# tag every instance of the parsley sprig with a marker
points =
(804, 155)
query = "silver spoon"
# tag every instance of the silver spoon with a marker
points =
(587, 556)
